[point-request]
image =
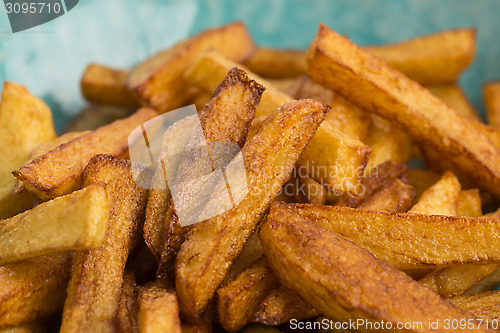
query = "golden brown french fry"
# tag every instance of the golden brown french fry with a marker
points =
(333, 157)
(469, 203)
(276, 63)
(59, 171)
(126, 319)
(367, 81)
(97, 275)
(94, 116)
(431, 59)
(411, 240)
(226, 118)
(76, 221)
(158, 309)
(491, 96)
(158, 81)
(441, 198)
(314, 192)
(387, 143)
(396, 197)
(239, 299)
(453, 96)
(34, 327)
(280, 306)
(490, 279)
(251, 252)
(421, 180)
(484, 305)
(25, 123)
(33, 288)
(108, 86)
(212, 245)
(343, 281)
(286, 85)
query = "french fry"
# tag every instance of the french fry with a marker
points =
(95, 116)
(491, 96)
(212, 245)
(34, 327)
(469, 203)
(158, 309)
(33, 288)
(25, 123)
(342, 280)
(385, 91)
(97, 275)
(251, 252)
(59, 171)
(333, 157)
(441, 198)
(238, 300)
(483, 305)
(314, 192)
(126, 319)
(490, 279)
(395, 198)
(421, 180)
(276, 63)
(411, 241)
(76, 221)
(454, 97)
(158, 81)
(431, 59)
(108, 86)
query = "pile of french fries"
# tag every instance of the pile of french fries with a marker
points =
(336, 228)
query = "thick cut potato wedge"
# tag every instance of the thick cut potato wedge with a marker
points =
(226, 118)
(238, 300)
(333, 157)
(25, 123)
(33, 288)
(483, 305)
(158, 309)
(453, 96)
(126, 320)
(276, 63)
(491, 96)
(395, 198)
(76, 221)
(469, 203)
(343, 281)
(441, 198)
(108, 86)
(59, 171)
(97, 275)
(432, 59)
(212, 245)
(410, 241)
(95, 116)
(372, 84)
(158, 81)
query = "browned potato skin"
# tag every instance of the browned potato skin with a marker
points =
(276, 63)
(427, 238)
(491, 96)
(333, 61)
(239, 299)
(33, 288)
(126, 319)
(251, 252)
(158, 81)
(97, 275)
(212, 245)
(158, 309)
(342, 280)
(431, 59)
(59, 171)
(108, 86)
(25, 123)
(396, 198)
(225, 118)
(484, 305)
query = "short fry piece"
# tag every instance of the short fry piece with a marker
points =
(158, 309)
(342, 280)
(33, 288)
(108, 86)
(469, 203)
(441, 198)
(421, 180)
(59, 171)
(483, 305)
(97, 275)
(212, 245)
(76, 221)
(126, 320)
(372, 84)
(395, 198)
(159, 82)
(276, 63)
(25, 123)
(491, 96)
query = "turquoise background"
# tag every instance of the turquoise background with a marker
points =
(49, 59)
